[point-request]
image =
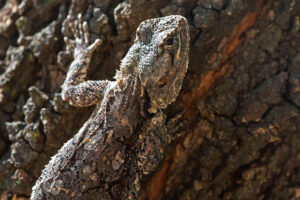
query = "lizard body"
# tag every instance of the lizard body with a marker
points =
(125, 136)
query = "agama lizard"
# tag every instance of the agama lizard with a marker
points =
(125, 136)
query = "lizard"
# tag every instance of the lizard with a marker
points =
(125, 136)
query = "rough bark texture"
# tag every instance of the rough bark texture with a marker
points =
(241, 96)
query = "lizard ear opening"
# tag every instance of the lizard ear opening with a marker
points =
(163, 82)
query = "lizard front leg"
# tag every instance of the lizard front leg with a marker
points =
(149, 153)
(75, 90)
(151, 143)
(155, 138)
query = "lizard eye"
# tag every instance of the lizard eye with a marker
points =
(169, 41)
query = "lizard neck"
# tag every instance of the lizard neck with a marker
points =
(127, 71)
(129, 64)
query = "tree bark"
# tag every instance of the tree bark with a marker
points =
(240, 99)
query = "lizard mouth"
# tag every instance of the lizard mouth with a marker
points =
(162, 82)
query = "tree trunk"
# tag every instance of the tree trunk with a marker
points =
(240, 99)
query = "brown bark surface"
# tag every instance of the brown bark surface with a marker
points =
(240, 131)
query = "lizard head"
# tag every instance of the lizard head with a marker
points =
(162, 56)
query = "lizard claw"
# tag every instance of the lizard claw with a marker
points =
(72, 26)
(95, 44)
(85, 32)
(68, 43)
(79, 29)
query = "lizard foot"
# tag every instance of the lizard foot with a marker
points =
(81, 34)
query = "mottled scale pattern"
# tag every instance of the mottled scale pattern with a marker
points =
(125, 137)
(85, 94)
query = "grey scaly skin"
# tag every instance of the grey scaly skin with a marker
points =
(124, 138)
